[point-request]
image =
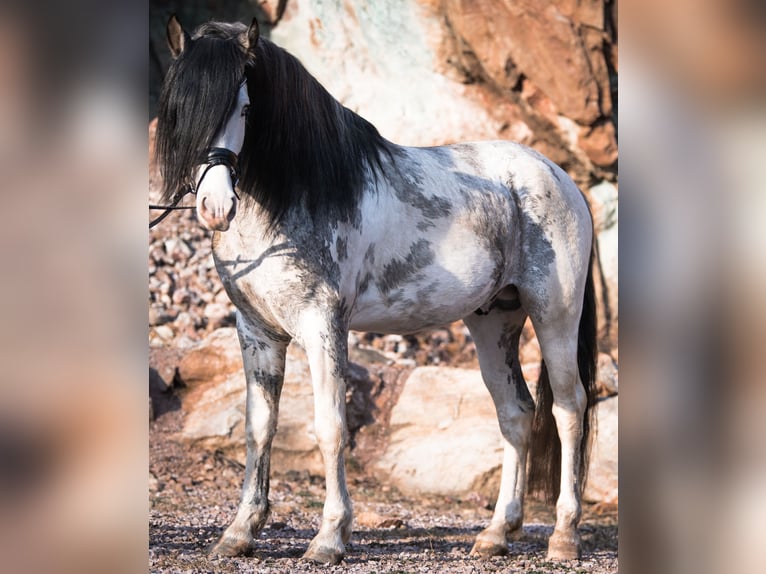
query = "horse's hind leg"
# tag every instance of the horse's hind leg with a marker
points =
(496, 335)
(556, 325)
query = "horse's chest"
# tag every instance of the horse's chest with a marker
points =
(272, 282)
(252, 278)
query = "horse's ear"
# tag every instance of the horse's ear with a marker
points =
(178, 38)
(253, 33)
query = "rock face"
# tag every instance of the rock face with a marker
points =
(602, 484)
(427, 72)
(549, 59)
(444, 437)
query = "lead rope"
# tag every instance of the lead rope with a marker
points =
(172, 207)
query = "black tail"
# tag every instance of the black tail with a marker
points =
(545, 447)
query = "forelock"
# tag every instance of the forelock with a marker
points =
(198, 93)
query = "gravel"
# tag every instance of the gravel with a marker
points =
(193, 495)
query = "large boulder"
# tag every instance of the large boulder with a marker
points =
(444, 436)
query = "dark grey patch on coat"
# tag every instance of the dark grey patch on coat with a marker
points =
(431, 207)
(537, 253)
(442, 155)
(341, 248)
(398, 271)
(363, 283)
(467, 153)
(312, 254)
(363, 280)
(509, 341)
(369, 255)
(408, 183)
(397, 297)
(493, 218)
(538, 249)
(335, 338)
(425, 225)
(270, 382)
(269, 377)
(423, 295)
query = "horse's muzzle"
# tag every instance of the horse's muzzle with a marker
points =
(217, 217)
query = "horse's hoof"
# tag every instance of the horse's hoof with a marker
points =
(483, 549)
(323, 555)
(564, 547)
(232, 547)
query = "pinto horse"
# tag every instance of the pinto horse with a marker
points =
(336, 228)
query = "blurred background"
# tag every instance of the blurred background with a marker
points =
(73, 125)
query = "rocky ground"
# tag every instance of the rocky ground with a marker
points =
(193, 495)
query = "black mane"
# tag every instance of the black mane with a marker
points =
(302, 147)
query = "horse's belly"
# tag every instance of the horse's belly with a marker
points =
(420, 305)
(390, 322)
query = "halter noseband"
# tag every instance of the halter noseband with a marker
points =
(215, 156)
(222, 156)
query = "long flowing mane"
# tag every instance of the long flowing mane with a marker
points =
(302, 145)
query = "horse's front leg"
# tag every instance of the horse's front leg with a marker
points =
(264, 361)
(326, 340)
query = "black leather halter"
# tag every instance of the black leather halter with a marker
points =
(215, 156)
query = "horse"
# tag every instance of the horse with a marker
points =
(321, 225)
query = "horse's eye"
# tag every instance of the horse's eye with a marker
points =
(245, 110)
